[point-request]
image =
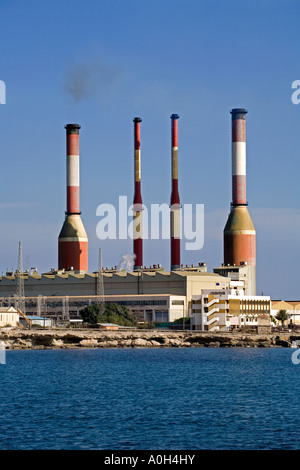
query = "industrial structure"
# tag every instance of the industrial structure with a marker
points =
(175, 200)
(146, 285)
(154, 294)
(239, 232)
(137, 201)
(73, 240)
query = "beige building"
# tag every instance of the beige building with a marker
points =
(292, 308)
(242, 272)
(160, 296)
(9, 316)
(159, 308)
(229, 308)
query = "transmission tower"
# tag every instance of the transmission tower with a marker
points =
(39, 305)
(100, 285)
(65, 308)
(20, 282)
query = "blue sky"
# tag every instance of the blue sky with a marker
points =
(101, 63)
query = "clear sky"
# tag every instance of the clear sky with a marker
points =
(100, 63)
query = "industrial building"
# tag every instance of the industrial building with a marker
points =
(58, 310)
(154, 294)
(35, 320)
(227, 308)
(150, 289)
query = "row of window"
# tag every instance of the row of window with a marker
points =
(7, 317)
(59, 303)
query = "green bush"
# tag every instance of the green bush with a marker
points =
(185, 320)
(108, 313)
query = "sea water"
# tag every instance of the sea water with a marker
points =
(150, 399)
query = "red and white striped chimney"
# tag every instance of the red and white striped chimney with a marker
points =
(175, 200)
(239, 156)
(137, 200)
(73, 240)
(239, 232)
(72, 131)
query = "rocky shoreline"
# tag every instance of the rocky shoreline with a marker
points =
(62, 339)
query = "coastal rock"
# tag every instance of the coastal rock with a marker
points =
(88, 343)
(175, 342)
(155, 343)
(140, 342)
(57, 343)
(19, 344)
(126, 343)
(22, 338)
(44, 340)
(110, 344)
(283, 343)
(159, 339)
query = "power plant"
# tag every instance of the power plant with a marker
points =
(144, 286)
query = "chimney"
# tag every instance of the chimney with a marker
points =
(239, 232)
(137, 200)
(73, 240)
(175, 201)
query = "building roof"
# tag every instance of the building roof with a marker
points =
(286, 304)
(34, 317)
(8, 310)
(118, 274)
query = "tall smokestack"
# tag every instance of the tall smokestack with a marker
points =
(73, 240)
(175, 201)
(239, 232)
(137, 200)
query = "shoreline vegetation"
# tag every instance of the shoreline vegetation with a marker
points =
(12, 339)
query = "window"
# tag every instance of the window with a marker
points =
(161, 316)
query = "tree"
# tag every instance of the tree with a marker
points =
(281, 316)
(89, 314)
(113, 313)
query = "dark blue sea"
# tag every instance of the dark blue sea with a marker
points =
(150, 399)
